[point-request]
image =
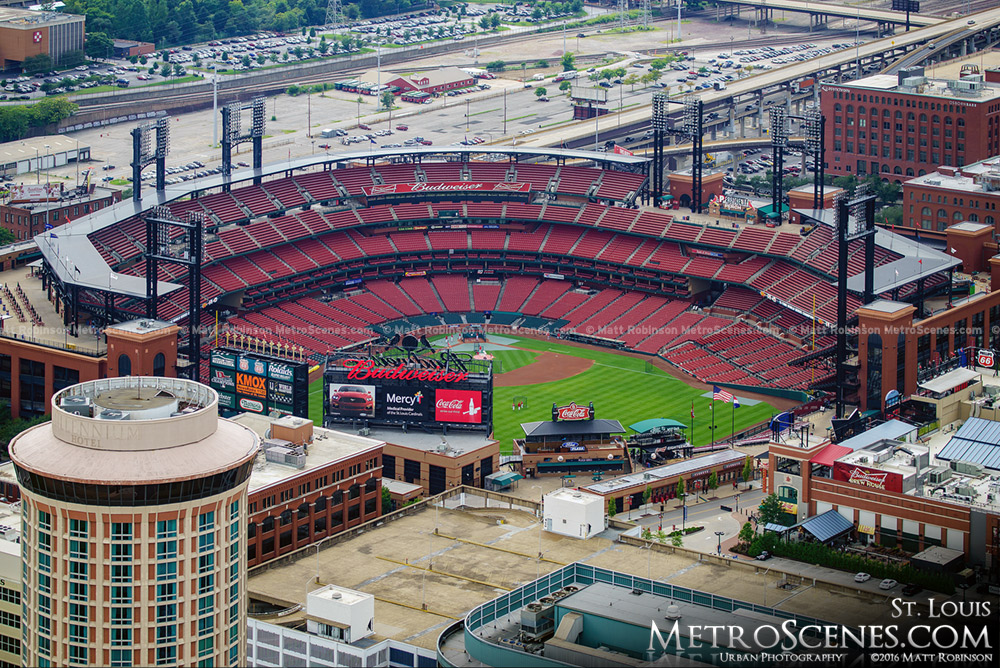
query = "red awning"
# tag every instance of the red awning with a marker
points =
(829, 454)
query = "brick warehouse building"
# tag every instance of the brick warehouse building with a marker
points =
(25, 220)
(25, 33)
(901, 126)
(951, 195)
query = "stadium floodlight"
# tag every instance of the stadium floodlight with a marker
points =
(660, 101)
(813, 128)
(692, 114)
(162, 137)
(779, 126)
(145, 143)
(257, 122)
(234, 122)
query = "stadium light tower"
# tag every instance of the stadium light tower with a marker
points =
(691, 128)
(144, 153)
(779, 142)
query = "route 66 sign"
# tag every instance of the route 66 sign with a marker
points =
(985, 358)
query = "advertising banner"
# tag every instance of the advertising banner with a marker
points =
(222, 380)
(458, 406)
(247, 405)
(227, 401)
(280, 392)
(446, 186)
(279, 371)
(224, 359)
(250, 385)
(867, 477)
(250, 365)
(405, 403)
(350, 400)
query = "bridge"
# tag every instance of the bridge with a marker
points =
(824, 10)
(880, 53)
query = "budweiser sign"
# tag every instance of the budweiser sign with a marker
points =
(572, 412)
(868, 478)
(458, 406)
(445, 186)
(366, 369)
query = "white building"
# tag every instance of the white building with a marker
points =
(571, 512)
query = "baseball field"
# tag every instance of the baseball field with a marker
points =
(624, 387)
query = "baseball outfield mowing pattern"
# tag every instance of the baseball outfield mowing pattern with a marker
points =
(622, 387)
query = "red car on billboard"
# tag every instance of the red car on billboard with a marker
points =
(458, 406)
(356, 400)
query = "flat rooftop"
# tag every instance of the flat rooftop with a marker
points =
(933, 88)
(663, 472)
(454, 444)
(475, 558)
(327, 446)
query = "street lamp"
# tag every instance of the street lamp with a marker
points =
(719, 535)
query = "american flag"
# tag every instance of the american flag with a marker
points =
(719, 394)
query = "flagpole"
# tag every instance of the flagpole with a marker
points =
(692, 423)
(713, 418)
(732, 428)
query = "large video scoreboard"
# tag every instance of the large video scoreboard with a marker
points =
(452, 390)
(249, 382)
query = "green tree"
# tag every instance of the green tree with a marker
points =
(273, 57)
(713, 480)
(261, 59)
(165, 70)
(246, 61)
(632, 80)
(568, 62)
(612, 510)
(540, 92)
(541, 64)
(50, 110)
(496, 66)
(388, 99)
(99, 45)
(647, 494)
(14, 122)
(747, 470)
(565, 85)
(770, 511)
(34, 64)
(677, 540)
(298, 52)
(324, 46)
(494, 21)
(387, 505)
(892, 216)
(537, 13)
(661, 536)
(484, 23)
(178, 70)
(680, 488)
(6, 237)
(746, 533)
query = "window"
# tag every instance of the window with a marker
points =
(121, 637)
(45, 562)
(121, 616)
(166, 591)
(166, 529)
(124, 365)
(77, 549)
(78, 570)
(121, 552)
(206, 542)
(10, 619)
(79, 613)
(205, 645)
(166, 549)
(121, 657)
(159, 365)
(79, 529)
(234, 510)
(78, 654)
(166, 655)
(205, 626)
(121, 595)
(121, 573)
(44, 583)
(206, 562)
(166, 613)
(121, 531)
(206, 521)
(78, 591)
(10, 595)
(206, 583)
(44, 521)
(205, 605)
(166, 634)
(77, 633)
(166, 571)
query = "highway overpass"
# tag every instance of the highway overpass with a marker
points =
(823, 10)
(878, 52)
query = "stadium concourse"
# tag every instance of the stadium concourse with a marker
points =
(331, 252)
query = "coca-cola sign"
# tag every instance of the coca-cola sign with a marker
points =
(458, 406)
(445, 186)
(572, 412)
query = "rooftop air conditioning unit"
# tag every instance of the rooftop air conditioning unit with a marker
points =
(113, 414)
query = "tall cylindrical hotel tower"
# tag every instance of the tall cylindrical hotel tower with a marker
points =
(134, 501)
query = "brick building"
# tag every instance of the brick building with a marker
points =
(432, 81)
(901, 126)
(25, 33)
(951, 195)
(28, 219)
(308, 484)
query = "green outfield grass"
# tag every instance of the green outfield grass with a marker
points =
(623, 388)
(508, 360)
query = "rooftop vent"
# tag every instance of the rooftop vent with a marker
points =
(673, 612)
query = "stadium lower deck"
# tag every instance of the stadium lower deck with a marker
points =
(319, 260)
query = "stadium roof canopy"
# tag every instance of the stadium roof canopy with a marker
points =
(74, 260)
(656, 423)
(572, 428)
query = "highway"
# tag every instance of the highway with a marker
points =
(839, 11)
(954, 30)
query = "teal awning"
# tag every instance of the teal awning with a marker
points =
(656, 423)
(505, 478)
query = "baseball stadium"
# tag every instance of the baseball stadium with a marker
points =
(551, 261)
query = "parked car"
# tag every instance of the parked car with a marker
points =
(888, 583)
(402, 128)
(764, 556)
(862, 577)
(363, 126)
(911, 589)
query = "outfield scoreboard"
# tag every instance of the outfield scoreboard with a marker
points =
(249, 382)
(380, 390)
